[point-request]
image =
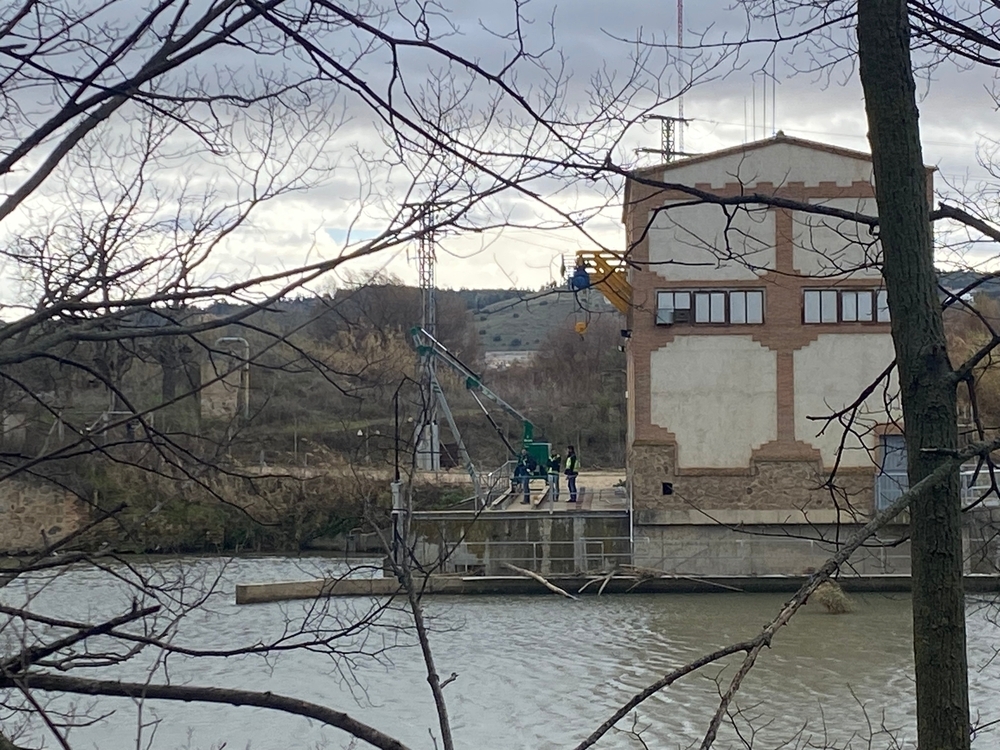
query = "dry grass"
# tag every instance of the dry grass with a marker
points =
(832, 598)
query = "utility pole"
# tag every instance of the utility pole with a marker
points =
(670, 128)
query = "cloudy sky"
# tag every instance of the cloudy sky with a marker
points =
(591, 38)
(957, 115)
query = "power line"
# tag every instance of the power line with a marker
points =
(786, 129)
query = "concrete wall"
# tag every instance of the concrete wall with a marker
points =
(33, 516)
(761, 550)
(776, 163)
(220, 396)
(716, 394)
(545, 543)
(695, 242)
(829, 247)
(831, 373)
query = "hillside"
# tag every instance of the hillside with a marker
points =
(522, 323)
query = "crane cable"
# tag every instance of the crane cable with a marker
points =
(495, 425)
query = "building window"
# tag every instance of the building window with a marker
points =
(746, 307)
(720, 307)
(845, 306)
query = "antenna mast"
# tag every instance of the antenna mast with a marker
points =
(680, 75)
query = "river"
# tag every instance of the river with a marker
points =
(533, 672)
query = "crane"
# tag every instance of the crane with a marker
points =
(432, 350)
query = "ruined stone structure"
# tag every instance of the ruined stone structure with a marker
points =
(746, 324)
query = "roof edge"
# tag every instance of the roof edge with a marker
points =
(779, 138)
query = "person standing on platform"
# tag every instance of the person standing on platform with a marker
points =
(522, 474)
(555, 464)
(572, 470)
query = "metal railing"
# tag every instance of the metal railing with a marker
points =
(545, 557)
(974, 487)
(496, 484)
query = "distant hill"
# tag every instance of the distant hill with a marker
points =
(522, 321)
(506, 320)
(954, 281)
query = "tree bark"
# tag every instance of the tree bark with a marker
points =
(927, 383)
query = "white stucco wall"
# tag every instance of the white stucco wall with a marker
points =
(701, 242)
(832, 247)
(717, 395)
(829, 374)
(776, 163)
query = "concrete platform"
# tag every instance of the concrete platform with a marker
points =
(257, 593)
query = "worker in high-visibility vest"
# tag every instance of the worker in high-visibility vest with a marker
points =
(572, 469)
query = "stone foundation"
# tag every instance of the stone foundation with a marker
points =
(767, 484)
(775, 517)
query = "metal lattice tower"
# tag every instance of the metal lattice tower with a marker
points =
(426, 259)
(428, 435)
(667, 132)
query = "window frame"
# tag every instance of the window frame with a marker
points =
(712, 306)
(877, 313)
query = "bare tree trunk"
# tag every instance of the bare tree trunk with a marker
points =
(926, 378)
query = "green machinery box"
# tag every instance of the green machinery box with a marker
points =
(540, 453)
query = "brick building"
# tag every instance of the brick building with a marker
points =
(746, 324)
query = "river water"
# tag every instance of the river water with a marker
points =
(533, 672)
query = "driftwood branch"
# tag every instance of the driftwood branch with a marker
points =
(649, 574)
(550, 586)
(603, 580)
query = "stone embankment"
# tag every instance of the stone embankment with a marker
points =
(32, 516)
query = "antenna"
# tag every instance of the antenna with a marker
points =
(680, 73)
(774, 95)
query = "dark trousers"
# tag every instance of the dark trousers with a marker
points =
(571, 486)
(527, 490)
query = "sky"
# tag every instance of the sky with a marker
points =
(957, 114)
(592, 40)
